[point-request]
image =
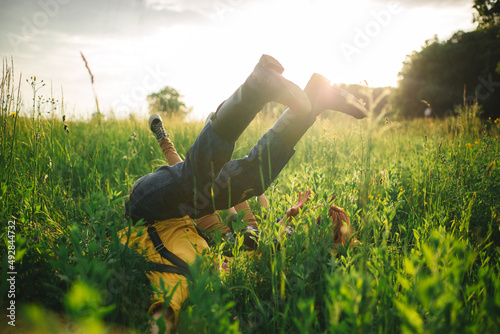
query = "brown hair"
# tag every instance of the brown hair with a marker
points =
(341, 225)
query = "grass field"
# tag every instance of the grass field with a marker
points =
(423, 197)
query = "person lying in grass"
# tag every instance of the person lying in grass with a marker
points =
(340, 225)
(208, 223)
(208, 180)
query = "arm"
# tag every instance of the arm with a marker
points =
(294, 210)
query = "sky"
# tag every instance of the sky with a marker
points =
(206, 48)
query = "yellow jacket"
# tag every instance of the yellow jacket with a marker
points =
(181, 238)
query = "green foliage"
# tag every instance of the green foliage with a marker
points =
(167, 102)
(212, 317)
(450, 73)
(488, 12)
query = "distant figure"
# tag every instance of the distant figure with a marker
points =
(427, 112)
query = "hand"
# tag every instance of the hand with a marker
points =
(294, 210)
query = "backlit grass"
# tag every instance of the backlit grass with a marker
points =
(423, 197)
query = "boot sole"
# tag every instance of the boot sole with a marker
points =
(153, 118)
(271, 63)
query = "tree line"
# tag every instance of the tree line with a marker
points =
(464, 69)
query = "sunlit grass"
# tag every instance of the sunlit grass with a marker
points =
(423, 197)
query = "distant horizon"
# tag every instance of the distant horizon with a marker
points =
(205, 50)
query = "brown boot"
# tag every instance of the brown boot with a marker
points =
(265, 84)
(324, 96)
(292, 125)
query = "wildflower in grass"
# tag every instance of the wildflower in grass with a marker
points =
(133, 137)
(13, 114)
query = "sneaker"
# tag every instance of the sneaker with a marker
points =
(156, 127)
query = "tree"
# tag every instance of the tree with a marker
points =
(443, 73)
(488, 12)
(167, 101)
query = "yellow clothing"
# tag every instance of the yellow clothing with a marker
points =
(181, 238)
(211, 222)
(169, 151)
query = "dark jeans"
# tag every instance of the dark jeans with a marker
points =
(207, 180)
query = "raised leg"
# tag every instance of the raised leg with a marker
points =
(243, 178)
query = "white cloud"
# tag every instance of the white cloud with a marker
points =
(431, 3)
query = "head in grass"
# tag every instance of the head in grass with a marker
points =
(337, 217)
(340, 225)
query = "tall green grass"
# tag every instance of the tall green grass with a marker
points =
(423, 197)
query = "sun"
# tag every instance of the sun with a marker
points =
(342, 40)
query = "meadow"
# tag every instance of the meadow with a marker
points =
(423, 197)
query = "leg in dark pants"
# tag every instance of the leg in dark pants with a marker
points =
(195, 189)
(162, 194)
(240, 179)
(179, 190)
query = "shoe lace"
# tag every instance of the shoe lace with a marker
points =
(158, 130)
